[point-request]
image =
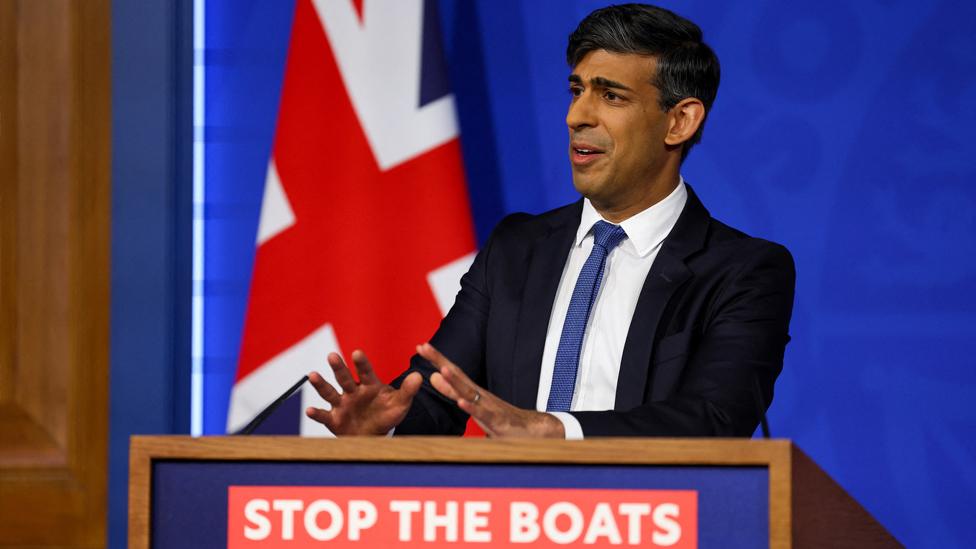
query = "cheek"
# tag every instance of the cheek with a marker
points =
(648, 140)
(630, 136)
(629, 147)
(635, 152)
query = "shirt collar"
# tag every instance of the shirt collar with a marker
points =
(645, 230)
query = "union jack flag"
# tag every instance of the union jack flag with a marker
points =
(365, 226)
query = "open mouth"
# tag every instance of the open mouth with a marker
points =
(587, 151)
(584, 154)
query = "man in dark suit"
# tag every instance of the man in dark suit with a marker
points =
(630, 312)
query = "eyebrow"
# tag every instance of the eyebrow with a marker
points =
(599, 81)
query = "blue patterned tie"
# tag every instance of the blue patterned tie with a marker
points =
(605, 238)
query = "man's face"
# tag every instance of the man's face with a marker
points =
(616, 129)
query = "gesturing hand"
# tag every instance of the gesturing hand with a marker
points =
(495, 416)
(366, 407)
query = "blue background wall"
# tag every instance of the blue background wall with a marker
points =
(152, 134)
(841, 130)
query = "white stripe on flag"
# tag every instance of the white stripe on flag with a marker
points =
(385, 48)
(256, 391)
(446, 281)
(276, 212)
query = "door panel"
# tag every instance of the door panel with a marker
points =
(54, 271)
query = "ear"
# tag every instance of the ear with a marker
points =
(684, 119)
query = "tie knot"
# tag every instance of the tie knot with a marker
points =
(607, 235)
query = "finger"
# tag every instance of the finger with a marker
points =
(466, 388)
(443, 387)
(321, 416)
(454, 375)
(435, 357)
(324, 388)
(342, 374)
(364, 369)
(482, 416)
(409, 388)
(479, 413)
(484, 411)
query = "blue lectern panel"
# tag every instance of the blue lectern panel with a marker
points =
(190, 498)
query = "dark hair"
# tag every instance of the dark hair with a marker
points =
(686, 66)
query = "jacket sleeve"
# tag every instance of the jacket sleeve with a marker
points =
(461, 338)
(737, 357)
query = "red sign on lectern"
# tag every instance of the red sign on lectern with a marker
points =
(299, 517)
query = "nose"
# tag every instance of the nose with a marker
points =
(580, 114)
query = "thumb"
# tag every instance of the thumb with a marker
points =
(410, 386)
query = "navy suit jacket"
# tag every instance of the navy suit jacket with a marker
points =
(706, 339)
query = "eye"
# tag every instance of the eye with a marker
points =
(575, 91)
(610, 96)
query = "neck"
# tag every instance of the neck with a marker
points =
(648, 196)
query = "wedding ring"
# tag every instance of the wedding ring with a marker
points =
(477, 397)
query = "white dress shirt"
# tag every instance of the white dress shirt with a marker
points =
(606, 331)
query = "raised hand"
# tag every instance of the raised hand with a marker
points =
(495, 416)
(366, 407)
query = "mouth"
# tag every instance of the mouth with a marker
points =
(582, 154)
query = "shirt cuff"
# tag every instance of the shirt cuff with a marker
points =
(574, 431)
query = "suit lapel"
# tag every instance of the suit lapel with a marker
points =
(667, 274)
(546, 263)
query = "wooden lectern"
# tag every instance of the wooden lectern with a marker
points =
(181, 487)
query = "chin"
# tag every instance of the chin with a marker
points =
(586, 186)
(582, 180)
